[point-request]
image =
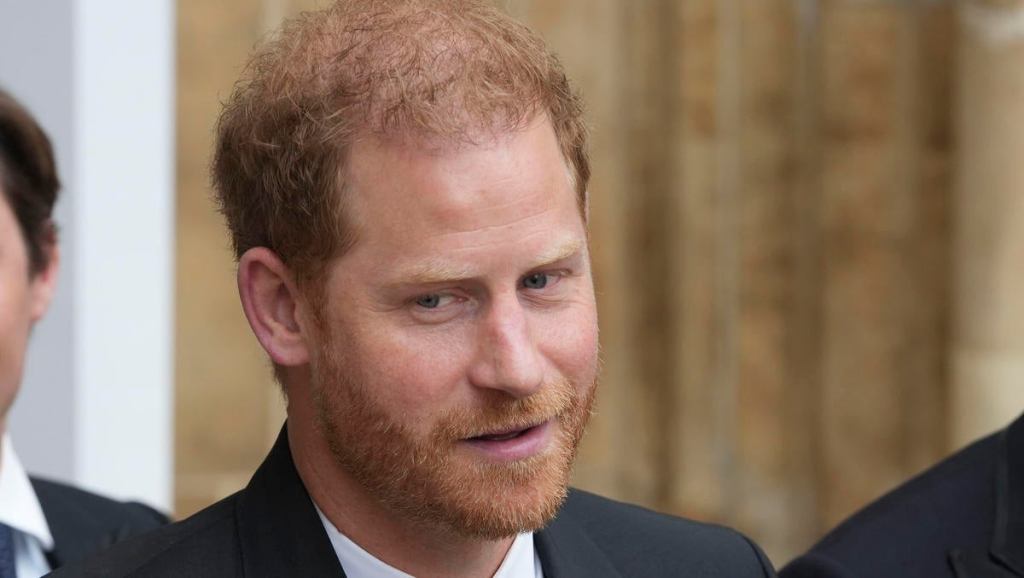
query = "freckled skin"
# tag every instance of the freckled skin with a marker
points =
(23, 300)
(511, 323)
(490, 210)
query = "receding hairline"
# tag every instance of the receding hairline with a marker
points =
(337, 75)
(435, 144)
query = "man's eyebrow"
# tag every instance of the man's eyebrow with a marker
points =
(440, 271)
(434, 272)
(560, 252)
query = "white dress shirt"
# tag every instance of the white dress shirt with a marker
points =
(520, 562)
(20, 509)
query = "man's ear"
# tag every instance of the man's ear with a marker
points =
(44, 282)
(270, 299)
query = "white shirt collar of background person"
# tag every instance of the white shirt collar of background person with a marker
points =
(20, 509)
(520, 562)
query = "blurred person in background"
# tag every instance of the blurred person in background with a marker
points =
(405, 183)
(963, 518)
(43, 524)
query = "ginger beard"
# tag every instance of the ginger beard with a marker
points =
(431, 479)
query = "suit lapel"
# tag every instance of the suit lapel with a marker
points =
(279, 530)
(566, 551)
(1005, 557)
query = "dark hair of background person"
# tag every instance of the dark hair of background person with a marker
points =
(28, 179)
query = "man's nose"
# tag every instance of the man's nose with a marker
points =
(507, 356)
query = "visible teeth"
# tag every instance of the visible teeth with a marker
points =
(501, 437)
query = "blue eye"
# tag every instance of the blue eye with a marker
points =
(536, 281)
(429, 301)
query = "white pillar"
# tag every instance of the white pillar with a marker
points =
(96, 404)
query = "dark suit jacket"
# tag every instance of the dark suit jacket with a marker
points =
(272, 529)
(963, 518)
(83, 524)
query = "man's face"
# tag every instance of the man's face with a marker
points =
(23, 300)
(458, 337)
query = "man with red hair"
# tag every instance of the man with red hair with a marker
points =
(405, 183)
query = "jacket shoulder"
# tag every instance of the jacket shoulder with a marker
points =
(204, 544)
(630, 535)
(909, 531)
(66, 505)
(83, 523)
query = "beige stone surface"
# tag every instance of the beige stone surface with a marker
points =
(870, 219)
(988, 335)
(775, 488)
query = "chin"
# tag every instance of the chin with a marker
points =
(496, 502)
(496, 515)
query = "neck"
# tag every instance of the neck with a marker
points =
(415, 549)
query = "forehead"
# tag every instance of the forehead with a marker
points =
(459, 193)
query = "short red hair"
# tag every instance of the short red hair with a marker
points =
(430, 68)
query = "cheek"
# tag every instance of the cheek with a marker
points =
(570, 342)
(14, 330)
(417, 371)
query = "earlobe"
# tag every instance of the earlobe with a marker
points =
(270, 301)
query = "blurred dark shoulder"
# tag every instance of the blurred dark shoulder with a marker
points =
(959, 518)
(83, 523)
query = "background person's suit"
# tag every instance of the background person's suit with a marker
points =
(84, 524)
(963, 518)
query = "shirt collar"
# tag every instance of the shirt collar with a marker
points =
(19, 506)
(520, 562)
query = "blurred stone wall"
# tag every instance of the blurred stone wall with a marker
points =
(806, 242)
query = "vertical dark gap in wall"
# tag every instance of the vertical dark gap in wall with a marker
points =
(727, 268)
(805, 347)
(913, 304)
(668, 84)
(942, 140)
(929, 99)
